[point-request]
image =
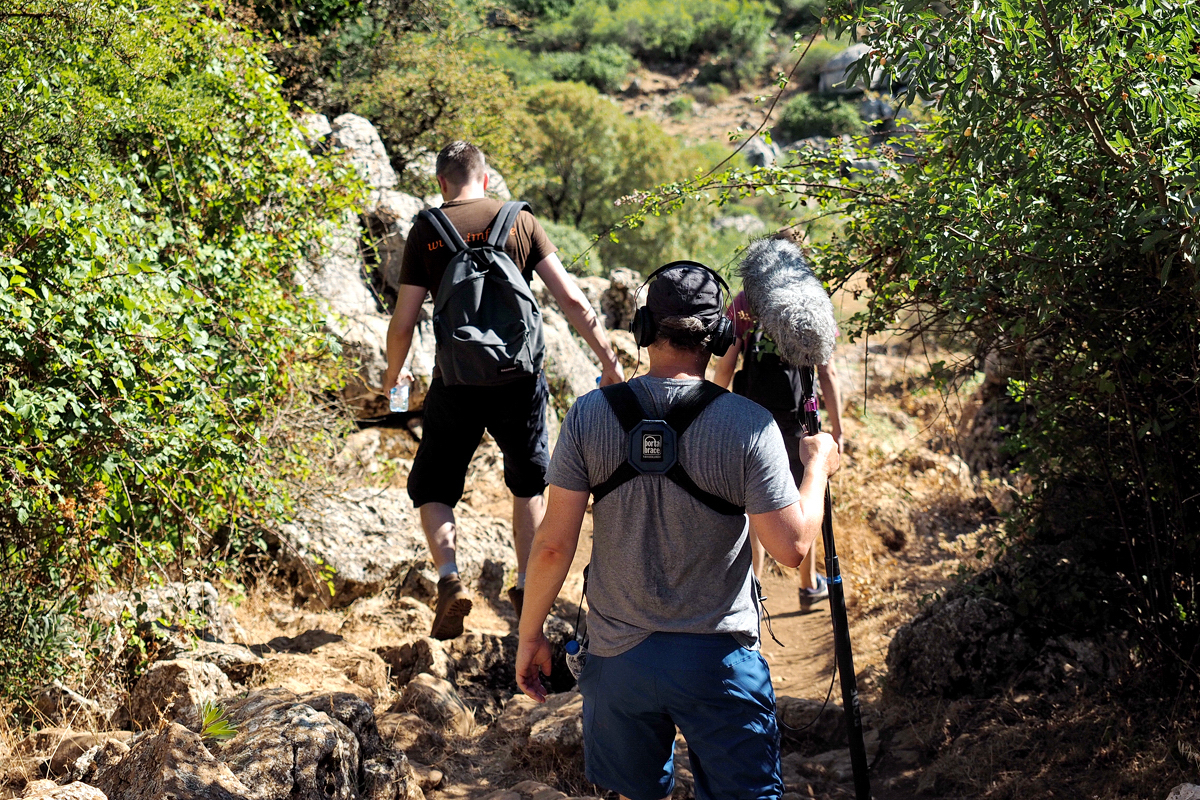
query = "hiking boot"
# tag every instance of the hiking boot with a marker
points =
(453, 604)
(815, 595)
(517, 598)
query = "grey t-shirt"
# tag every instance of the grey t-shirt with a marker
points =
(661, 559)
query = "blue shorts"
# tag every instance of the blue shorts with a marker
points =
(719, 695)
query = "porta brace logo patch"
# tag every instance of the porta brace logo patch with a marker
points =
(652, 447)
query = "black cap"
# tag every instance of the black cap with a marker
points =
(685, 291)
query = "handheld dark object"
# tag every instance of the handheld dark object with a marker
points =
(797, 315)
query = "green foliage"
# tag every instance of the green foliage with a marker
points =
(799, 13)
(589, 153)
(575, 249)
(662, 30)
(805, 116)
(155, 198)
(602, 66)
(682, 106)
(425, 90)
(36, 636)
(712, 94)
(215, 725)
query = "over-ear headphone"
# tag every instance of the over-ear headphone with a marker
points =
(645, 329)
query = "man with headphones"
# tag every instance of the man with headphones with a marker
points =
(675, 464)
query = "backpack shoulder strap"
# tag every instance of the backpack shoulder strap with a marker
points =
(504, 220)
(687, 408)
(625, 405)
(444, 229)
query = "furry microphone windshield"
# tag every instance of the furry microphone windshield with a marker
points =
(789, 301)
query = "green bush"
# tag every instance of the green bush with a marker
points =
(601, 66)
(712, 94)
(683, 105)
(799, 13)
(155, 198)
(803, 116)
(578, 251)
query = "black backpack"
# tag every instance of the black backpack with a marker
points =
(486, 322)
(766, 378)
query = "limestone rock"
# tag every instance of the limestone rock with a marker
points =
(238, 662)
(1185, 791)
(967, 646)
(760, 154)
(515, 719)
(60, 705)
(593, 288)
(173, 764)
(497, 186)
(366, 540)
(62, 747)
(314, 128)
(98, 759)
(557, 725)
(569, 371)
(360, 141)
(335, 272)
(355, 714)
(426, 655)
(388, 226)
(286, 749)
(810, 722)
(619, 301)
(49, 790)
(176, 690)
(746, 224)
(193, 606)
(434, 700)
(833, 74)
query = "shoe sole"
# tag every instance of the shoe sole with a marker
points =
(808, 602)
(450, 626)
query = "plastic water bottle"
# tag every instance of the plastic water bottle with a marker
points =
(398, 397)
(576, 657)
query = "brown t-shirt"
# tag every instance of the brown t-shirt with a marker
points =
(426, 256)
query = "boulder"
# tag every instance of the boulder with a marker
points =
(62, 747)
(387, 229)
(758, 153)
(287, 749)
(193, 606)
(59, 705)
(426, 655)
(238, 662)
(358, 139)
(593, 288)
(556, 726)
(314, 128)
(176, 690)
(497, 186)
(891, 520)
(360, 666)
(810, 722)
(1185, 791)
(366, 540)
(967, 646)
(833, 74)
(569, 371)
(172, 764)
(619, 300)
(435, 700)
(335, 273)
(49, 790)
(98, 759)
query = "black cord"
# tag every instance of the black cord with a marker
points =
(824, 705)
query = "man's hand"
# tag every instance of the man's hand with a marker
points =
(612, 374)
(391, 381)
(533, 661)
(821, 452)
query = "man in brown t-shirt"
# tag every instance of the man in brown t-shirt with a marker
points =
(455, 417)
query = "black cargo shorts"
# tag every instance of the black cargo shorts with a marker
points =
(455, 418)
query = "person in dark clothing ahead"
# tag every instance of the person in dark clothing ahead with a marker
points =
(455, 417)
(673, 616)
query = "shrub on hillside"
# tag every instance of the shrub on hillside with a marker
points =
(804, 116)
(155, 198)
(577, 250)
(601, 66)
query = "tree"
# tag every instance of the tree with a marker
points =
(1048, 213)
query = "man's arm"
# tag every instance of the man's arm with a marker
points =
(400, 331)
(727, 364)
(788, 533)
(550, 559)
(831, 394)
(581, 315)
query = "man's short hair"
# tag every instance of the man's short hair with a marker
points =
(461, 163)
(684, 333)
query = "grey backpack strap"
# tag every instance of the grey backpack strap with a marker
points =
(445, 229)
(504, 220)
